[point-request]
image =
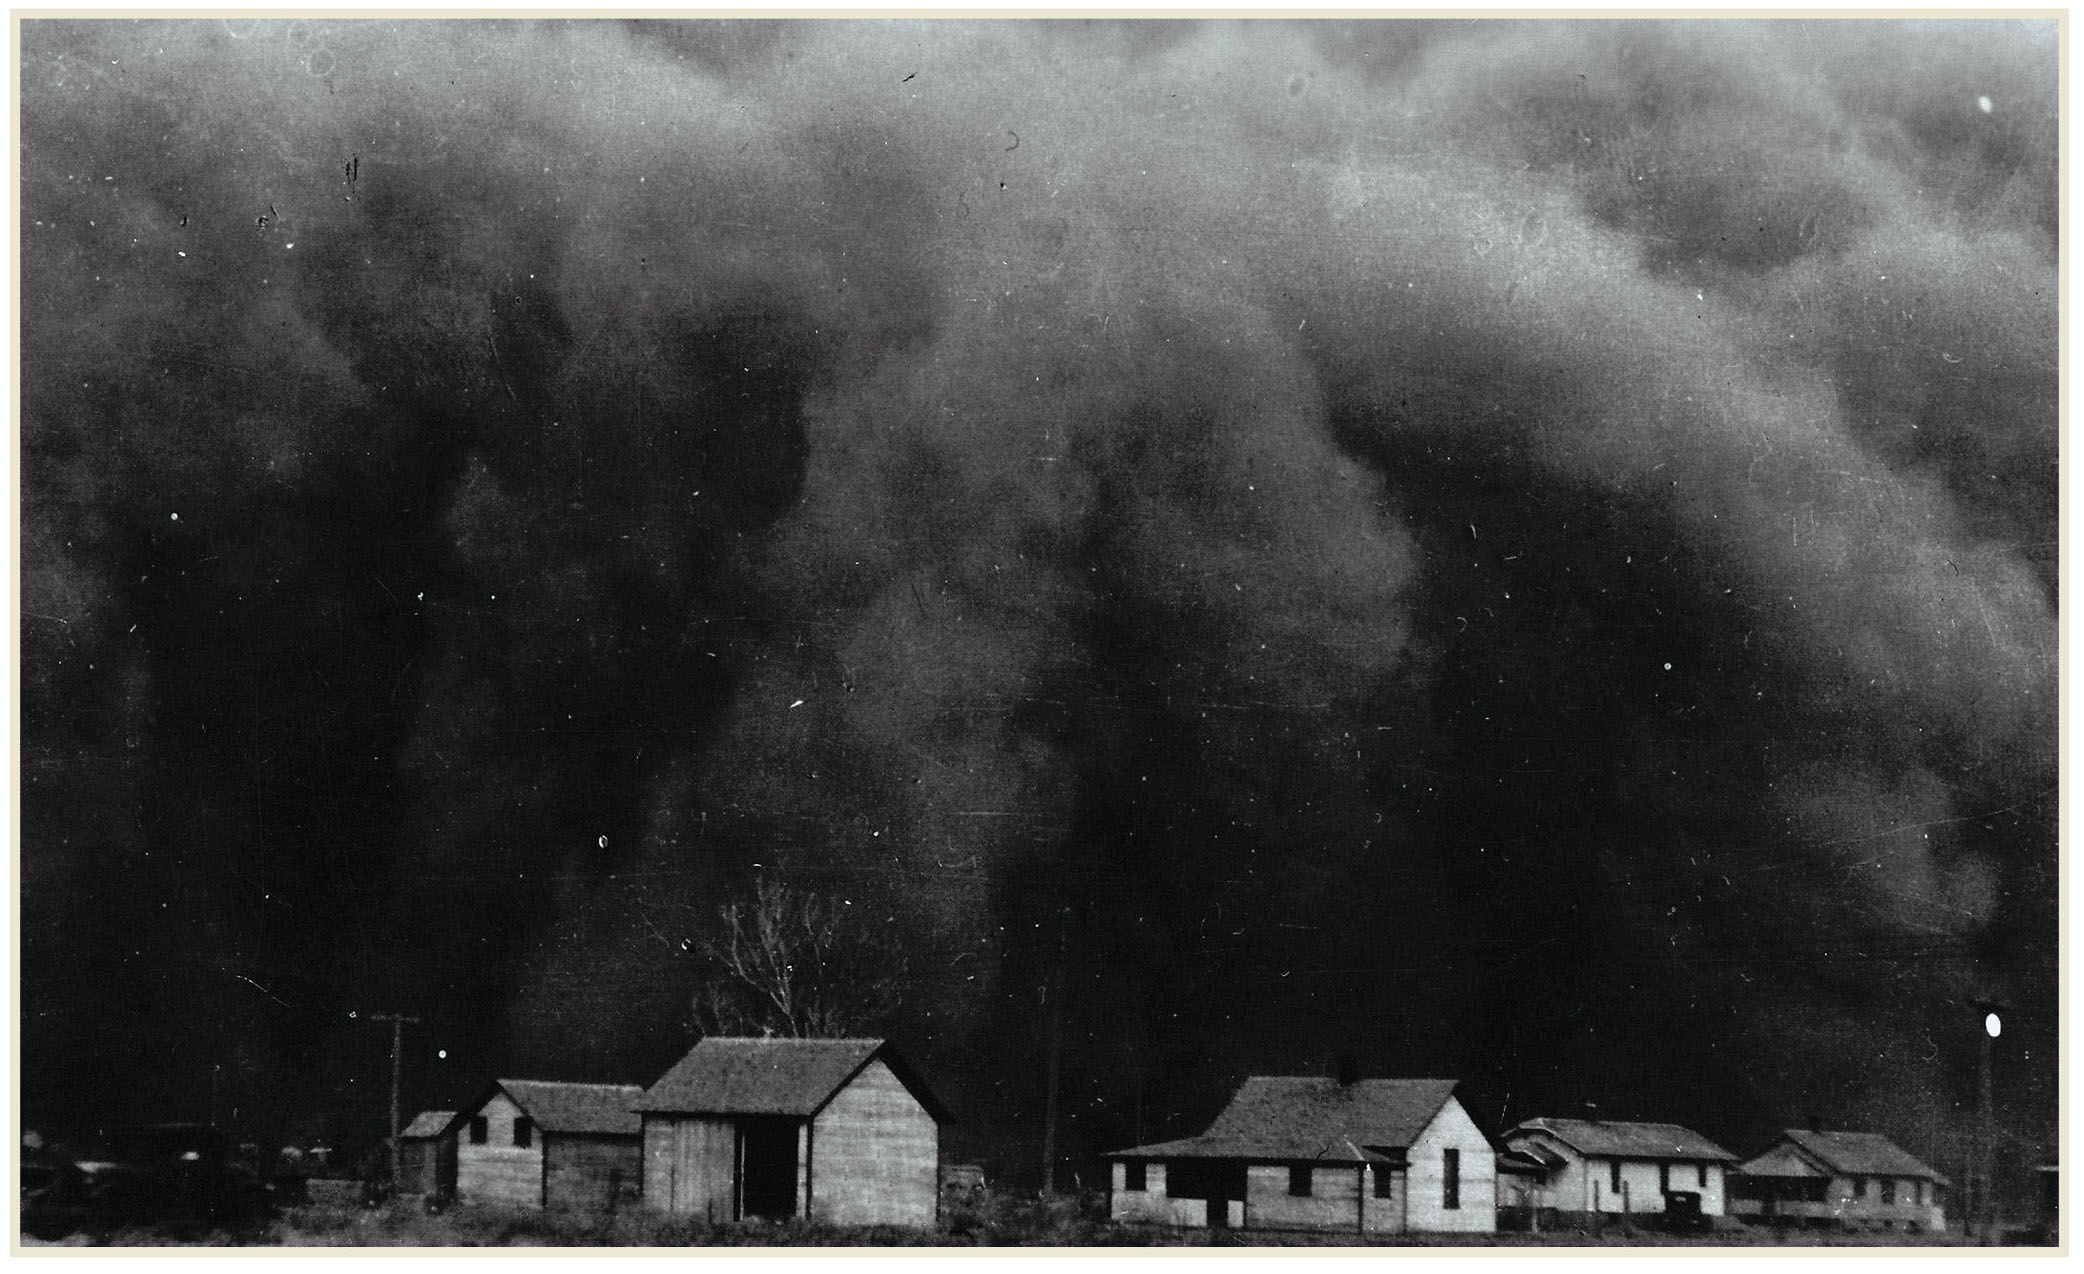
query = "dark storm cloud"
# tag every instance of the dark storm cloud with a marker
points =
(1290, 519)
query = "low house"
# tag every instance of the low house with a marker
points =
(840, 1131)
(549, 1144)
(1364, 1156)
(1606, 1166)
(1854, 1180)
(427, 1154)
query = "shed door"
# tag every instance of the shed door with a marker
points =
(768, 1155)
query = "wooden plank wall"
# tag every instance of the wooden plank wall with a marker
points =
(1425, 1206)
(874, 1155)
(591, 1173)
(1332, 1204)
(499, 1171)
(690, 1166)
(1151, 1205)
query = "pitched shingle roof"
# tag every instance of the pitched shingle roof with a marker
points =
(429, 1123)
(730, 1076)
(559, 1106)
(1861, 1154)
(1626, 1140)
(1312, 1117)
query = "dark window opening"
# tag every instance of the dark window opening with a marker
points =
(524, 1131)
(480, 1130)
(1450, 1178)
(1664, 1177)
(1702, 1170)
(1132, 1175)
(1859, 1187)
(1385, 1182)
(1888, 1191)
(1299, 1180)
(1615, 1175)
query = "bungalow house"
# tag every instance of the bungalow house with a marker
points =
(1366, 1156)
(841, 1131)
(549, 1144)
(427, 1154)
(1847, 1179)
(1606, 1166)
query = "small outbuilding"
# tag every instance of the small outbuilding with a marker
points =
(427, 1154)
(536, 1143)
(1611, 1166)
(1843, 1180)
(843, 1131)
(1363, 1156)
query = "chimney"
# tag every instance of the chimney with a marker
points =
(1816, 1123)
(1349, 1069)
(1591, 1112)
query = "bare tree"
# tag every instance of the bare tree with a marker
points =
(797, 963)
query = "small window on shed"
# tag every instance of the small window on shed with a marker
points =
(1664, 1176)
(1299, 1180)
(524, 1131)
(480, 1130)
(1132, 1175)
(1888, 1191)
(1385, 1181)
(1701, 1170)
(1450, 1178)
(1859, 1187)
(1615, 1174)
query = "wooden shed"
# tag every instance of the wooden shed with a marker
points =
(550, 1144)
(841, 1131)
(427, 1154)
(1364, 1156)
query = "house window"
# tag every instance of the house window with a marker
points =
(1917, 1193)
(1664, 1177)
(1859, 1187)
(1299, 1180)
(1614, 1175)
(1385, 1184)
(1450, 1178)
(1132, 1175)
(1888, 1192)
(1701, 1170)
(524, 1131)
(480, 1130)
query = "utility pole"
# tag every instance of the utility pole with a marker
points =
(397, 1021)
(1056, 1054)
(1985, 1166)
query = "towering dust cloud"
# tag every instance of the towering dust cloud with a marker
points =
(1517, 550)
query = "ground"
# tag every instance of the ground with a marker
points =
(985, 1220)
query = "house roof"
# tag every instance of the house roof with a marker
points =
(724, 1075)
(1309, 1117)
(1525, 1162)
(1622, 1139)
(429, 1123)
(560, 1106)
(1861, 1154)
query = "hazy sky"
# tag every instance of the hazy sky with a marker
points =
(1515, 550)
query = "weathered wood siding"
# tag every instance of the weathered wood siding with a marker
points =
(1385, 1215)
(1568, 1188)
(875, 1155)
(1425, 1204)
(1151, 1205)
(499, 1171)
(1332, 1204)
(690, 1166)
(593, 1173)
